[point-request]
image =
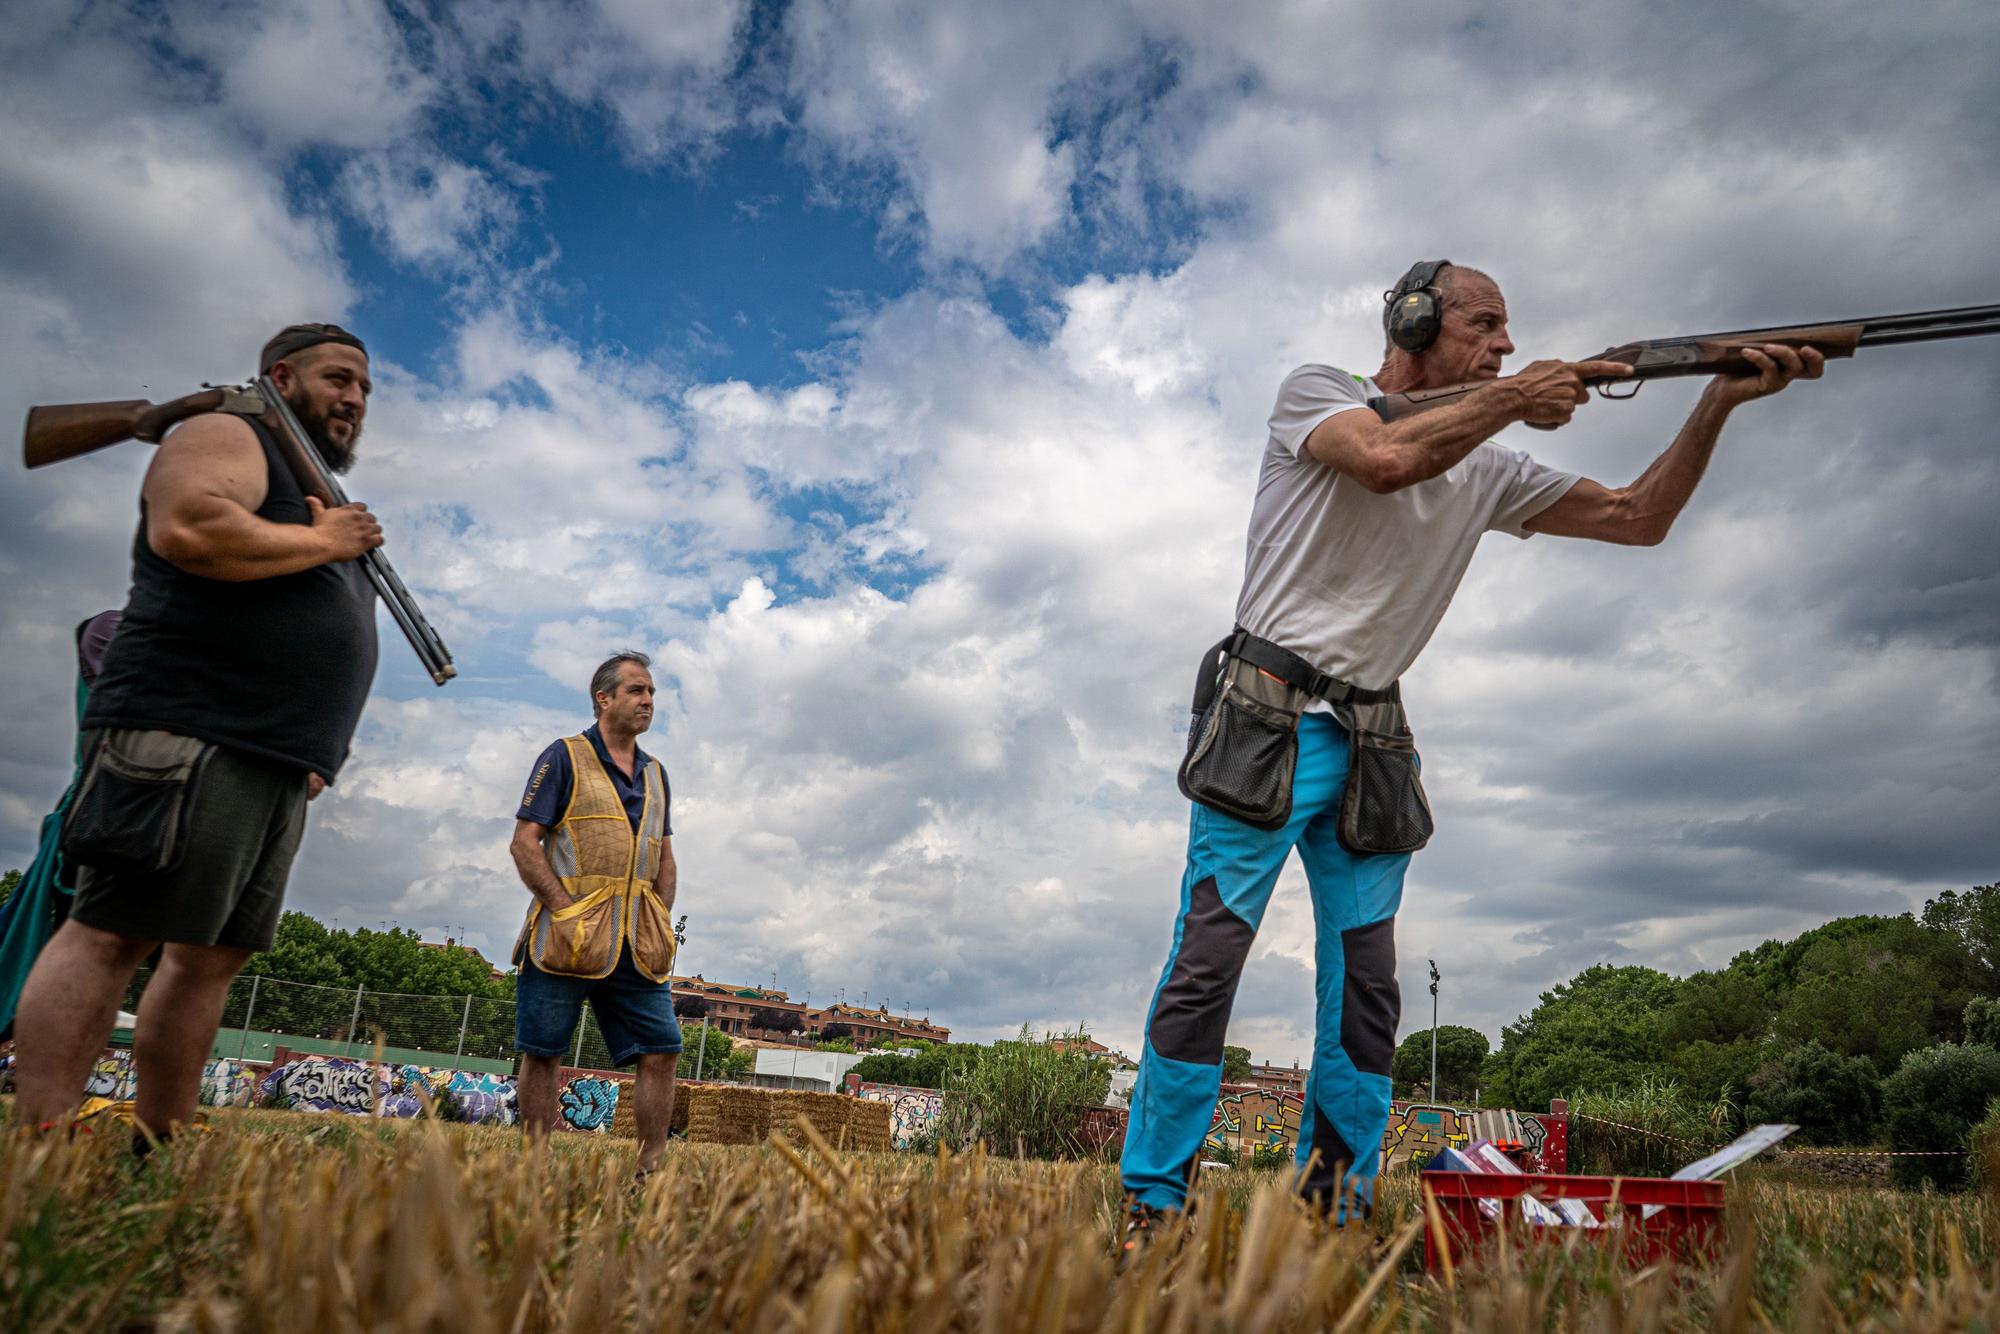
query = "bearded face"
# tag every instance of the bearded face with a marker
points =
(327, 386)
(334, 430)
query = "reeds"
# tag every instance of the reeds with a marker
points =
(286, 1222)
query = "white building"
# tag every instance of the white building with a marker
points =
(813, 1071)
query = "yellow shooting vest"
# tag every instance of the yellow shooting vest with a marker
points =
(610, 871)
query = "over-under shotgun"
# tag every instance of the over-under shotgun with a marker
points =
(65, 430)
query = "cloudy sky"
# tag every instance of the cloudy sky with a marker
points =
(896, 373)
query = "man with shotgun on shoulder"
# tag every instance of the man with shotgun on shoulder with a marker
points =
(227, 701)
(1363, 524)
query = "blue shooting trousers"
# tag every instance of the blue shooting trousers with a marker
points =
(1231, 868)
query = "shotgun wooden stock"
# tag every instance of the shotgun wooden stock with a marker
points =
(66, 430)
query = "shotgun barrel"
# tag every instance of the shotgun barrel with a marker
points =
(1722, 353)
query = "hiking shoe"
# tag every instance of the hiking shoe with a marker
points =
(1143, 1223)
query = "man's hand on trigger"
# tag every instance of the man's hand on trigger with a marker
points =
(349, 531)
(1777, 366)
(1551, 390)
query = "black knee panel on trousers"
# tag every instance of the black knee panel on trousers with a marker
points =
(1372, 1004)
(1191, 1017)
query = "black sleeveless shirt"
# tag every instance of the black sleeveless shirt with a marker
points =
(275, 667)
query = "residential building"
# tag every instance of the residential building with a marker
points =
(1277, 1078)
(750, 1012)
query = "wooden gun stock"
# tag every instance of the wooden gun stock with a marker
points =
(66, 430)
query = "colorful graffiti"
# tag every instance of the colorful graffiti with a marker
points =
(325, 1084)
(227, 1083)
(336, 1084)
(1257, 1126)
(482, 1098)
(1261, 1127)
(111, 1077)
(913, 1112)
(589, 1103)
(1417, 1130)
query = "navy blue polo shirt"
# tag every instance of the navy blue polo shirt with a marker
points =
(551, 782)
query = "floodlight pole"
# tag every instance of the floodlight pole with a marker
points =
(1434, 1030)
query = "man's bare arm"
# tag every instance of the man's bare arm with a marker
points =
(667, 883)
(531, 859)
(1642, 514)
(202, 493)
(1388, 456)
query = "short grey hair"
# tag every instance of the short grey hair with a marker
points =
(605, 679)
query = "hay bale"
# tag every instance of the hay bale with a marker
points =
(727, 1114)
(625, 1114)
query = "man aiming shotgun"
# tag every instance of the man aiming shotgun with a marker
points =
(1364, 522)
(227, 700)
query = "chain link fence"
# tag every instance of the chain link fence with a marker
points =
(262, 1014)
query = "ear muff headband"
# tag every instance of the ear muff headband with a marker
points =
(1413, 310)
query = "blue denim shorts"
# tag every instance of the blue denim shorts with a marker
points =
(635, 1013)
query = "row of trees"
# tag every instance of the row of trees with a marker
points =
(1865, 1030)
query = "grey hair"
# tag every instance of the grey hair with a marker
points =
(605, 679)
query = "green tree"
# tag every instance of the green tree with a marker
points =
(412, 994)
(1717, 1008)
(1880, 988)
(1713, 1073)
(1832, 1099)
(706, 1050)
(1599, 1030)
(1235, 1064)
(1461, 1053)
(1982, 1020)
(1930, 1105)
(9, 883)
(1973, 918)
(928, 1069)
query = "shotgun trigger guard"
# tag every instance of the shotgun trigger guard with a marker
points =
(1604, 391)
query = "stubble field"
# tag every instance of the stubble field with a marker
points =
(282, 1221)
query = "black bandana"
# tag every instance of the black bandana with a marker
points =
(298, 337)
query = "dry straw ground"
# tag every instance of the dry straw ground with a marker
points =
(277, 1221)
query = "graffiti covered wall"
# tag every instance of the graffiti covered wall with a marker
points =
(588, 1102)
(1258, 1126)
(913, 1112)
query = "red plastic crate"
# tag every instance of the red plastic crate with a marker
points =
(1689, 1225)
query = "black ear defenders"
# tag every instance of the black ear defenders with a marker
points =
(1413, 310)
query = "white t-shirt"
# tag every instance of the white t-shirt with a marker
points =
(1355, 582)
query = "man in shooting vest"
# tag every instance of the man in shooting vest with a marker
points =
(227, 700)
(593, 842)
(1359, 534)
